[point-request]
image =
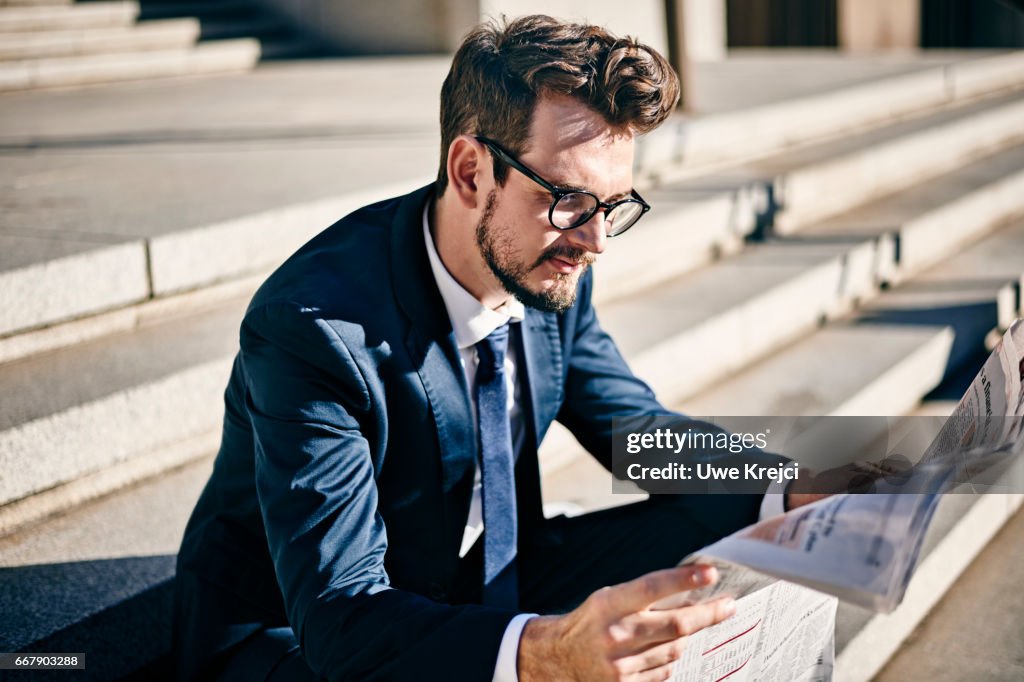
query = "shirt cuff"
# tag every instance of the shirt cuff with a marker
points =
(508, 653)
(774, 500)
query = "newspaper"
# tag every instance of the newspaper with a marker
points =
(780, 632)
(860, 548)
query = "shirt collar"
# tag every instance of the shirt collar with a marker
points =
(472, 320)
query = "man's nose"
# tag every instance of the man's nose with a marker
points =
(591, 235)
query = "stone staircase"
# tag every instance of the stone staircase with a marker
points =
(841, 253)
(57, 43)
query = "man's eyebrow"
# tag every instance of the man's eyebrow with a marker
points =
(579, 188)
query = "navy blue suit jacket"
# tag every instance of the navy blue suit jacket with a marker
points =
(340, 493)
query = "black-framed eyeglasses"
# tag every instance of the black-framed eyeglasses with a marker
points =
(571, 208)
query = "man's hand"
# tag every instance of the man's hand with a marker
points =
(614, 635)
(855, 477)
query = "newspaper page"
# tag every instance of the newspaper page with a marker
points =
(986, 425)
(780, 632)
(861, 548)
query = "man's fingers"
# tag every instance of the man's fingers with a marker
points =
(638, 594)
(658, 656)
(653, 675)
(651, 628)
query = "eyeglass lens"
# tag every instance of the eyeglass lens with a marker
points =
(576, 208)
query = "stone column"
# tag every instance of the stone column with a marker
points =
(696, 33)
(866, 25)
(705, 29)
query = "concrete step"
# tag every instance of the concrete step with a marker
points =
(815, 182)
(387, 99)
(898, 347)
(942, 648)
(978, 287)
(709, 323)
(905, 342)
(67, 276)
(221, 57)
(51, 17)
(98, 216)
(688, 226)
(760, 130)
(891, 159)
(154, 35)
(846, 369)
(100, 406)
(700, 217)
(97, 580)
(936, 218)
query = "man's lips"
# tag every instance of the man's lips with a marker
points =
(563, 265)
(566, 260)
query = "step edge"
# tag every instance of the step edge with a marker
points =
(25, 512)
(91, 326)
(875, 643)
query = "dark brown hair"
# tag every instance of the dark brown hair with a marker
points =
(501, 70)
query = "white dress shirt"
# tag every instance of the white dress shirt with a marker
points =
(472, 323)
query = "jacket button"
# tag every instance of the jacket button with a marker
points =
(436, 592)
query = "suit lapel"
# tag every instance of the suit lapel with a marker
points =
(431, 345)
(539, 362)
(441, 374)
(543, 354)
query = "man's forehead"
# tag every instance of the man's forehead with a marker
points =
(560, 122)
(573, 147)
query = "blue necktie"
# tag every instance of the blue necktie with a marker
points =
(499, 487)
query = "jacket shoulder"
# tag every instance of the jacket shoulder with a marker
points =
(349, 260)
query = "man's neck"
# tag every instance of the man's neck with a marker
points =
(456, 245)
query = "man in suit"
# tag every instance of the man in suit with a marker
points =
(374, 511)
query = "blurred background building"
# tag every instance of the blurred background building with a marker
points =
(712, 25)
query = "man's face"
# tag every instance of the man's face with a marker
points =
(570, 146)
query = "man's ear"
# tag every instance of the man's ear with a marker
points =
(466, 168)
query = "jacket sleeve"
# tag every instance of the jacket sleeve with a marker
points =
(318, 497)
(599, 386)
